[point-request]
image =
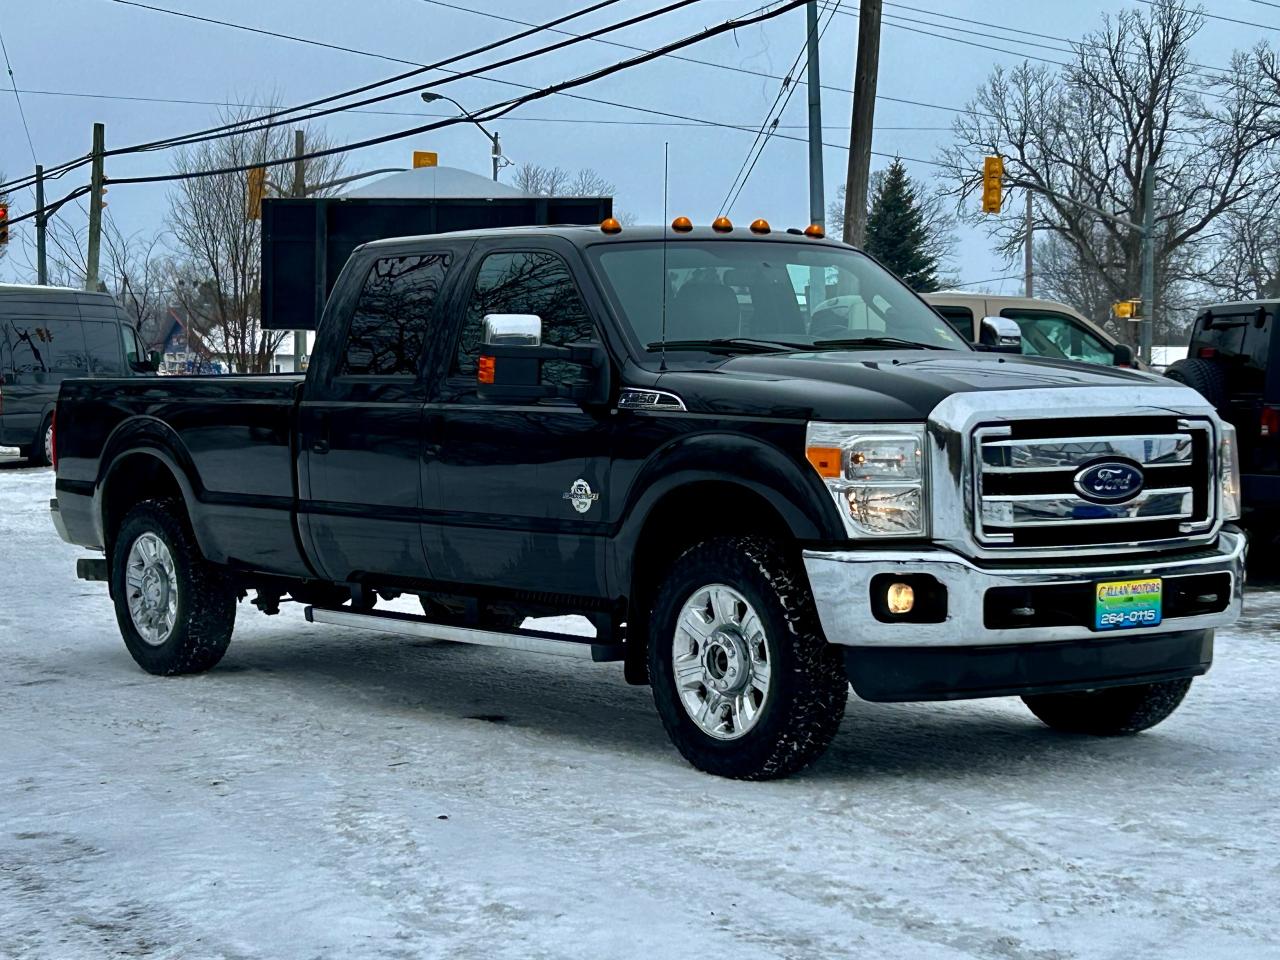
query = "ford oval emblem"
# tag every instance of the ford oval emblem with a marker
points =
(1109, 482)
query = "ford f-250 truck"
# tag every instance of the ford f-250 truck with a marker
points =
(761, 466)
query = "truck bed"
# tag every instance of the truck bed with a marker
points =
(234, 434)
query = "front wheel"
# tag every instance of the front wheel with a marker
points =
(1115, 711)
(175, 609)
(745, 683)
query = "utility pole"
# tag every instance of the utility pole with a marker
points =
(42, 267)
(817, 203)
(1148, 259)
(299, 190)
(496, 155)
(1026, 253)
(864, 108)
(95, 209)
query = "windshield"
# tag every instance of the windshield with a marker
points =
(753, 295)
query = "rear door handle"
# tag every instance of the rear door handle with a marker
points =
(321, 443)
(320, 446)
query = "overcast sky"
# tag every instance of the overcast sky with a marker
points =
(71, 50)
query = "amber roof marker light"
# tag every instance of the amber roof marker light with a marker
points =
(760, 226)
(681, 224)
(721, 225)
(610, 225)
(814, 231)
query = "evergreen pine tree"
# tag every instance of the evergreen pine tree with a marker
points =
(896, 231)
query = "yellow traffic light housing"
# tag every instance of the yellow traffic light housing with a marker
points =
(992, 185)
(4, 223)
(254, 192)
(1127, 309)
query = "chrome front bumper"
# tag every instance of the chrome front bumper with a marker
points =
(841, 584)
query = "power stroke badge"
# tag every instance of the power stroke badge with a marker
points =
(581, 495)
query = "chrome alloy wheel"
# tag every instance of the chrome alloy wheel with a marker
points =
(152, 584)
(720, 661)
(48, 444)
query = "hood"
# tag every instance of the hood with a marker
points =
(873, 385)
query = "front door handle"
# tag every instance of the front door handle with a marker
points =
(321, 443)
(320, 446)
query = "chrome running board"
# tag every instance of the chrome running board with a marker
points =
(408, 625)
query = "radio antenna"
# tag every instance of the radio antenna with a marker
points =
(662, 337)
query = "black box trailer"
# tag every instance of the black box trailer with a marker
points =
(305, 242)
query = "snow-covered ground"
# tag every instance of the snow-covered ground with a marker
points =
(335, 793)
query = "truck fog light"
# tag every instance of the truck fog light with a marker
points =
(900, 598)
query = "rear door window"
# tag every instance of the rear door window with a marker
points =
(959, 317)
(391, 318)
(42, 345)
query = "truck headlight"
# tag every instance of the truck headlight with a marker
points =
(876, 475)
(1229, 473)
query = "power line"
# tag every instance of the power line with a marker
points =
(773, 128)
(1218, 16)
(177, 101)
(13, 83)
(495, 110)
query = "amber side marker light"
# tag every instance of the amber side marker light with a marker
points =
(610, 225)
(721, 225)
(826, 460)
(681, 224)
(814, 231)
(760, 226)
(485, 369)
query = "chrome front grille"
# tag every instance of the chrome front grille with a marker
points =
(1028, 491)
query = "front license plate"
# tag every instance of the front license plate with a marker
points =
(1121, 604)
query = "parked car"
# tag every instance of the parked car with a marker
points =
(46, 335)
(571, 420)
(1049, 328)
(1233, 361)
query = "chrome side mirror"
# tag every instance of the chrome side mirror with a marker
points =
(1001, 334)
(521, 329)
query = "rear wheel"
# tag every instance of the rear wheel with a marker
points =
(1203, 376)
(175, 609)
(1116, 711)
(40, 454)
(744, 682)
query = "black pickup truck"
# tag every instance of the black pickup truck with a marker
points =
(761, 466)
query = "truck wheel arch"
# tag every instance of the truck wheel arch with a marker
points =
(141, 461)
(697, 501)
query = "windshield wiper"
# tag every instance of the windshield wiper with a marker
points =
(729, 345)
(877, 342)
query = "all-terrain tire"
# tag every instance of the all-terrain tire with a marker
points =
(38, 453)
(1113, 712)
(1203, 376)
(206, 597)
(807, 687)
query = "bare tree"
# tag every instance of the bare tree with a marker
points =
(539, 181)
(217, 272)
(1085, 137)
(132, 266)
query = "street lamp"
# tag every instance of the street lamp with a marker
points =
(499, 161)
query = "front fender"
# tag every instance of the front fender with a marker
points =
(791, 488)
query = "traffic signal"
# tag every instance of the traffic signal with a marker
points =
(256, 190)
(4, 223)
(1127, 309)
(992, 188)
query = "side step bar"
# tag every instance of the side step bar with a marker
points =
(408, 625)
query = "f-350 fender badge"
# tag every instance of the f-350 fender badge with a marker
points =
(581, 495)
